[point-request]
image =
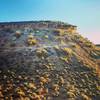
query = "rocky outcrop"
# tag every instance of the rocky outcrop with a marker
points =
(37, 25)
(47, 63)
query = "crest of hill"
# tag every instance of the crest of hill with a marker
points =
(37, 24)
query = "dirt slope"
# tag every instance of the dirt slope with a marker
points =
(48, 64)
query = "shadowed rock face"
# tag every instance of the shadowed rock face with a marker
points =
(47, 62)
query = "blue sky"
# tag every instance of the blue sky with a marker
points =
(83, 13)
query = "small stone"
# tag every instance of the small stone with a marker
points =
(32, 85)
(70, 94)
(85, 97)
(1, 95)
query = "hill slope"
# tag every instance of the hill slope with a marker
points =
(47, 61)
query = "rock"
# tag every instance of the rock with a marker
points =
(18, 34)
(31, 85)
(85, 97)
(1, 95)
(44, 80)
(71, 95)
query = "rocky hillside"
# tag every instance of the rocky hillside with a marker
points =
(47, 61)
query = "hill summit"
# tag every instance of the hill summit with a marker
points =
(47, 60)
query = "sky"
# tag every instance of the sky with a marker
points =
(83, 13)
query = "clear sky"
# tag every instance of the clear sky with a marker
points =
(83, 13)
